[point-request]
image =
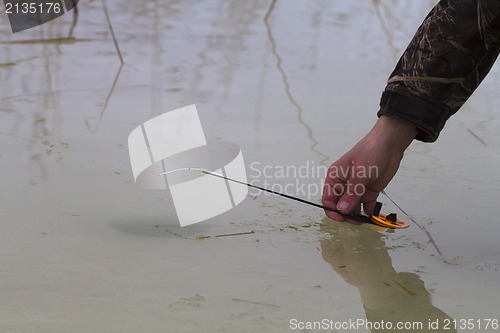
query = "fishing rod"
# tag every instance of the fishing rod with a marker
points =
(387, 221)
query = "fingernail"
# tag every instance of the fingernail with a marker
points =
(342, 205)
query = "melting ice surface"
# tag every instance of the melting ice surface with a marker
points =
(294, 84)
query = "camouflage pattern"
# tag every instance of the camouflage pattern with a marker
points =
(450, 54)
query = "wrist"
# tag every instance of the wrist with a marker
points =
(395, 132)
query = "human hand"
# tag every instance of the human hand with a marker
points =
(365, 170)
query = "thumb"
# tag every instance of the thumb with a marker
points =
(350, 200)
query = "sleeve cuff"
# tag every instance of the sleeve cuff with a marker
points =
(428, 117)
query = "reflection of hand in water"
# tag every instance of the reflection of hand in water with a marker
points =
(360, 256)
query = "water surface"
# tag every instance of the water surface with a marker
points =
(293, 83)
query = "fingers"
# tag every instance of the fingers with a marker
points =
(332, 191)
(369, 206)
(330, 199)
(335, 216)
(365, 170)
(351, 198)
(344, 191)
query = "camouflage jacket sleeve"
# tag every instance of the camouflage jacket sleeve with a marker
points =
(450, 54)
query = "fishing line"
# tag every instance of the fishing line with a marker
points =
(389, 221)
(205, 171)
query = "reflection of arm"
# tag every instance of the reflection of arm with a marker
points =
(360, 256)
(449, 56)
